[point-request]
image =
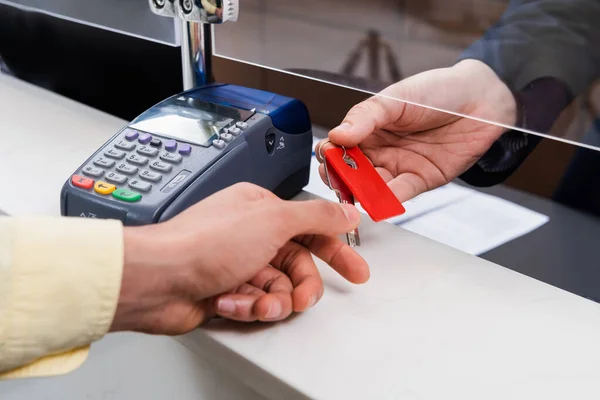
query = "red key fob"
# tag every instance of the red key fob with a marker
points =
(365, 183)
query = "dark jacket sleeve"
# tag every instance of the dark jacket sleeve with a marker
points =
(547, 52)
(543, 38)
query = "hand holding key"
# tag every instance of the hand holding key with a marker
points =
(242, 254)
(352, 177)
(416, 149)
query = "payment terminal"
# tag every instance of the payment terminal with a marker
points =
(190, 146)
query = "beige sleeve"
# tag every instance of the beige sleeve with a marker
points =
(60, 280)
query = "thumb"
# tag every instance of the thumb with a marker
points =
(365, 118)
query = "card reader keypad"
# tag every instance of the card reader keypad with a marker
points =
(135, 162)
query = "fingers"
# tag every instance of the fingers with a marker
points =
(267, 297)
(407, 186)
(297, 263)
(343, 259)
(384, 173)
(366, 117)
(238, 193)
(317, 217)
(322, 146)
(294, 285)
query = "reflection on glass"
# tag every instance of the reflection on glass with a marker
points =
(529, 65)
(212, 11)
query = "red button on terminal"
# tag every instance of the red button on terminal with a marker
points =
(82, 182)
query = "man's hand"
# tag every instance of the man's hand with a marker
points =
(416, 149)
(242, 254)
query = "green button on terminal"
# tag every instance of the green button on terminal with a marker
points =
(126, 195)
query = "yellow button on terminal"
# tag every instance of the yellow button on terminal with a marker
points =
(104, 188)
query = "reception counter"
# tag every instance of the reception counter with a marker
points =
(432, 323)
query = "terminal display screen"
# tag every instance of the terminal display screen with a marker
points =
(188, 119)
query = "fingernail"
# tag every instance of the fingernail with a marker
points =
(313, 300)
(344, 126)
(350, 211)
(274, 310)
(226, 306)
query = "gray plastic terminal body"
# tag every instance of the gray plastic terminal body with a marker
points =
(285, 171)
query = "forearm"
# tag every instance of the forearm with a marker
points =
(59, 285)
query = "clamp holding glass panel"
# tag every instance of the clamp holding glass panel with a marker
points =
(196, 18)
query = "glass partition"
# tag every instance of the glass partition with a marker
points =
(526, 65)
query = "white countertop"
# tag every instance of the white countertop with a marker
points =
(431, 323)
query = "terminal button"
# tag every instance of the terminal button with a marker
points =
(147, 151)
(123, 145)
(126, 195)
(116, 178)
(113, 153)
(82, 181)
(139, 160)
(170, 157)
(103, 162)
(185, 149)
(150, 176)
(104, 188)
(219, 144)
(127, 169)
(235, 131)
(161, 166)
(131, 135)
(241, 125)
(227, 137)
(270, 142)
(145, 138)
(140, 185)
(170, 145)
(93, 171)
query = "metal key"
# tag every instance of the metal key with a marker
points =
(343, 194)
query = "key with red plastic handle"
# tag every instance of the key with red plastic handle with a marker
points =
(344, 196)
(352, 176)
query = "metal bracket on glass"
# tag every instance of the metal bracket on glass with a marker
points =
(196, 17)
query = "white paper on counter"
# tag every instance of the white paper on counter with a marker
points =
(477, 223)
(457, 216)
